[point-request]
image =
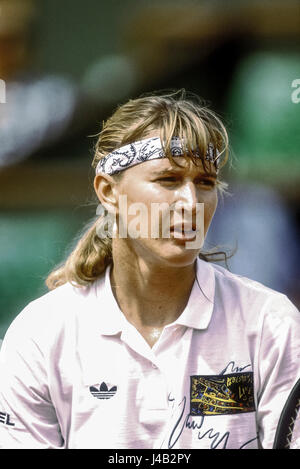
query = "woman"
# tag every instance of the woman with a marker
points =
(141, 342)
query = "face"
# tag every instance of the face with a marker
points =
(163, 182)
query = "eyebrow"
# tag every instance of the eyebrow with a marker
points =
(165, 172)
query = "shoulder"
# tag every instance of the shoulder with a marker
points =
(44, 318)
(63, 301)
(251, 296)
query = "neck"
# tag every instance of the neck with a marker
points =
(150, 295)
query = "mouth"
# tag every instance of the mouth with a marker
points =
(183, 233)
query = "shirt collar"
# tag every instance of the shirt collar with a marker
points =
(112, 320)
(197, 313)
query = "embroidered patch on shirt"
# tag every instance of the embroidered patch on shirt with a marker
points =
(222, 394)
(103, 392)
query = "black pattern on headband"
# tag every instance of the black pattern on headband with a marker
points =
(146, 150)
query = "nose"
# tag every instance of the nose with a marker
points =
(187, 196)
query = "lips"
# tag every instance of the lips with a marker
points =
(184, 232)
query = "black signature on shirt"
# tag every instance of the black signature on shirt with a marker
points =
(182, 422)
(231, 368)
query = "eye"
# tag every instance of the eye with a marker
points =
(206, 182)
(167, 179)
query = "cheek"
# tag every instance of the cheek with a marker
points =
(141, 192)
(210, 206)
(138, 194)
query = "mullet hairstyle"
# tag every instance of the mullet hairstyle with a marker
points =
(174, 114)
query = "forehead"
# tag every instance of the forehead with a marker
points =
(178, 165)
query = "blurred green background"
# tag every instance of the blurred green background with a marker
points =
(67, 65)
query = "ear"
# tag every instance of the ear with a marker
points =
(105, 188)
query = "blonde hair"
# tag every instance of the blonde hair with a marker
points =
(173, 114)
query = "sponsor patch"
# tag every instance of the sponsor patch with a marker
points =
(222, 394)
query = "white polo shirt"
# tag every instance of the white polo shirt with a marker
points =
(76, 374)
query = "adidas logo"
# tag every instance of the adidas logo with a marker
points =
(103, 392)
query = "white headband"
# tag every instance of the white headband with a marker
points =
(146, 150)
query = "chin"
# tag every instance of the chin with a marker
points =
(179, 257)
(165, 253)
